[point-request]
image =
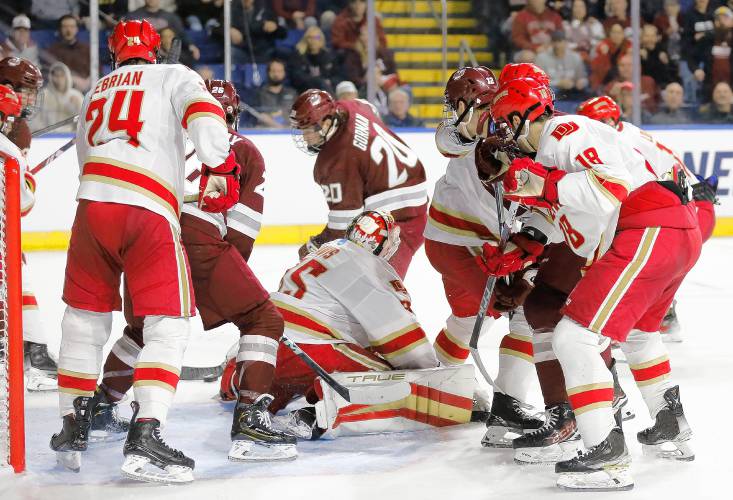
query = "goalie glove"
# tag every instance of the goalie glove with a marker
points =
(309, 247)
(532, 184)
(509, 296)
(521, 251)
(219, 186)
(706, 189)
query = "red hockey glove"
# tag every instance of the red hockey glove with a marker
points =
(519, 253)
(509, 296)
(219, 186)
(531, 183)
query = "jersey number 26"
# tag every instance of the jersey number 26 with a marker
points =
(131, 124)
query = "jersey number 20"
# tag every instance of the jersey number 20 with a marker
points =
(384, 145)
(115, 123)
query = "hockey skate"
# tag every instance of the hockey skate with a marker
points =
(254, 439)
(555, 441)
(508, 419)
(670, 435)
(300, 423)
(72, 440)
(107, 425)
(671, 330)
(604, 467)
(620, 400)
(144, 448)
(40, 368)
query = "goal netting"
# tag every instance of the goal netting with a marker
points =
(12, 438)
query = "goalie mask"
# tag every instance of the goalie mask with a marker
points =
(26, 80)
(307, 117)
(375, 231)
(10, 108)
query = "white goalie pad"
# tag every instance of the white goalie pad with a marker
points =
(438, 397)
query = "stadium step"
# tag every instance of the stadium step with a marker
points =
(406, 41)
(421, 6)
(424, 23)
(406, 57)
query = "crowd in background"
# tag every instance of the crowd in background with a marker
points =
(282, 47)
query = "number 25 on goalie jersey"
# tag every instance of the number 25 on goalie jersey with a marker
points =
(365, 166)
(342, 293)
(131, 136)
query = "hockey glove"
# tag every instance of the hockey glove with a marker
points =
(520, 252)
(219, 186)
(487, 157)
(509, 296)
(532, 184)
(309, 247)
(706, 189)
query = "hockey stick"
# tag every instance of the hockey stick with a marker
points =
(486, 297)
(379, 394)
(205, 373)
(53, 156)
(54, 126)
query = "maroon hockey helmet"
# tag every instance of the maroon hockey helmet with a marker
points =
(472, 86)
(306, 119)
(25, 79)
(225, 92)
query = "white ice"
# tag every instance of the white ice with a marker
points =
(442, 464)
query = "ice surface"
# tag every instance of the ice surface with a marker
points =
(444, 464)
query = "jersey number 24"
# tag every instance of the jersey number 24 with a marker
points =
(131, 124)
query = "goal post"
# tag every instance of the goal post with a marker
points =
(12, 418)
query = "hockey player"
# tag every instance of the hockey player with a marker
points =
(218, 247)
(598, 191)
(130, 145)
(348, 309)
(25, 79)
(361, 164)
(462, 218)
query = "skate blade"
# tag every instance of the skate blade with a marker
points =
(548, 455)
(140, 469)
(41, 383)
(616, 478)
(70, 460)
(670, 450)
(499, 437)
(248, 451)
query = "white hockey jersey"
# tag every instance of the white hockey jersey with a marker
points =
(662, 160)
(342, 293)
(27, 185)
(131, 136)
(602, 171)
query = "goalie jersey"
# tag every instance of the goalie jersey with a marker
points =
(27, 183)
(342, 293)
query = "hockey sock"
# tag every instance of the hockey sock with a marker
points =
(159, 364)
(118, 367)
(549, 371)
(516, 362)
(33, 330)
(649, 363)
(257, 354)
(451, 344)
(83, 335)
(589, 382)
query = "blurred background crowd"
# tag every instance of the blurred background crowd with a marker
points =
(283, 47)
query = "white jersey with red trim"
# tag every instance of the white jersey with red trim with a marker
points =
(343, 293)
(131, 136)
(662, 159)
(27, 184)
(601, 172)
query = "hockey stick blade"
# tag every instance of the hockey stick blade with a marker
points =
(53, 156)
(340, 389)
(54, 126)
(205, 373)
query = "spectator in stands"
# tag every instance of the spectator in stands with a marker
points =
(533, 25)
(583, 32)
(669, 24)
(564, 67)
(296, 12)
(348, 24)
(274, 99)
(167, 35)
(354, 64)
(346, 91)
(606, 56)
(166, 5)
(20, 43)
(46, 13)
(618, 13)
(205, 72)
(398, 104)
(649, 89)
(671, 111)
(327, 10)
(110, 12)
(623, 94)
(525, 56)
(719, 58)
(720, 110)
(163, 19)
(200, 14)
(698, 29)
(60, 99)
(70, 51)
(311, 65)
(254, 31)
(655, 61)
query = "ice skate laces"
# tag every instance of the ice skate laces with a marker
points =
(175, 452)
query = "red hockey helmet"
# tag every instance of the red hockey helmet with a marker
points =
(523, 70)
(225, 92)
(601, 108)
(472, 86)
(524, 98)
(306, 118)
(10, 106)
(133, 40)
(375, 231)
(25, 79)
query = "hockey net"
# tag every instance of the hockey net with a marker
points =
(12, 433)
